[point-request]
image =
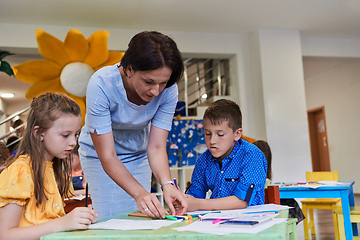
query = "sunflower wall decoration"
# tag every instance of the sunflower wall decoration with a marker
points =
(67, 66)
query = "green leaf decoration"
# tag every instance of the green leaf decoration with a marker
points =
(5, 67)
(3, 54)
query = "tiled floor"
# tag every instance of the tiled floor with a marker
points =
(324, 226)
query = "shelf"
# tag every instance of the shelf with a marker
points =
(182, 168)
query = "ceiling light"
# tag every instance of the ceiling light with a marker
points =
(204, 95)
(7, 95)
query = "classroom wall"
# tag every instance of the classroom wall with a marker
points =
(334, 83)
(245, 72)
(2, 117)
(284, 104)
(331, 76)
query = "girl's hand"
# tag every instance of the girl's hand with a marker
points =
(150, 205)
(79, 218)
(175, 199)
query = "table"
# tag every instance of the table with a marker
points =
(343, 191)
(277, 231)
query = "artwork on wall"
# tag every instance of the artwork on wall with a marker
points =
(185, 142)
(68, 64)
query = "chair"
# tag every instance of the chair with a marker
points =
(272, 195)
(354, 218)
(319, 203)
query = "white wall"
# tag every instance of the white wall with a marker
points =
(284, 104)
(337, 88)
(2, 117)
(250, 76)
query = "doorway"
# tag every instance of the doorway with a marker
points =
(318, 140)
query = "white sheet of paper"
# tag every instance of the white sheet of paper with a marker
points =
(330, 183)
(126, 224)
(208, 227)
(228, 214)
(264, 207)
(77, 197)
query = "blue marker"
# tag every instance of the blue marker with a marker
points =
(268, 212)
(175, 183)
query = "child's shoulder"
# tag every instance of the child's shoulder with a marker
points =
(22, 160)
(21, 165)
(246, 147)
(16, 182)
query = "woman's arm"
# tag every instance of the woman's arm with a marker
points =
(105, 149)
(224, 203)
(159, 164)
(10, 214)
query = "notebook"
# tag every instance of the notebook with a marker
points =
(246, 221)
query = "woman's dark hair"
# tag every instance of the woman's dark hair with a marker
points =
(153, 50)
(265, 148)
(45, 110)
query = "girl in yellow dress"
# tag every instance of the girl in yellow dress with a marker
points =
(37, 179)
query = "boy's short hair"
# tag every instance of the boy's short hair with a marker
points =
(224, 110)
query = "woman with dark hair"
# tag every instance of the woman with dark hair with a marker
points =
(130, 107)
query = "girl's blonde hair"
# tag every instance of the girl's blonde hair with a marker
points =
(45, 110)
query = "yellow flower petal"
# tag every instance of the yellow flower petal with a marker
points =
(36, 71)
(76, 45)
(98, 52)
(55, 86)
(51, 48)
(39, 88)
(114, 57)
(81, 102)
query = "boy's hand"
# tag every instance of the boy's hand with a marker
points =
(177, 206)
(192, 203)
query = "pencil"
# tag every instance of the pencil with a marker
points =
(86, 195)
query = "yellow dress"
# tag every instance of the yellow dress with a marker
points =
(16, 186)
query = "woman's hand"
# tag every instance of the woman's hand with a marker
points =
(79, 218)
(175, 199)
(150, 205)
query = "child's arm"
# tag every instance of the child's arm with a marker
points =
(224, 203)
(79, 218)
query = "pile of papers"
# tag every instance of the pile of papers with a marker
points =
(126, 224)
(210, 222)
(313, 185)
